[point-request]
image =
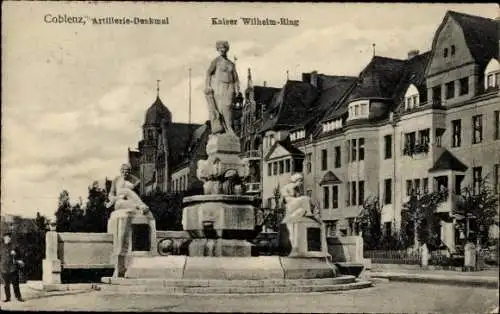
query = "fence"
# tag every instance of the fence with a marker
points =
(393, 257)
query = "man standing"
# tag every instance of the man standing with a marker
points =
(9, 266)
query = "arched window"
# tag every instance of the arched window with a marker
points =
(492, 74)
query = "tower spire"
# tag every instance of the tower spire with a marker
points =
(287, 75)
(157, 88)
(249, 78)
(373, 45)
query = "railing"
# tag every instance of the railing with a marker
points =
(393, 257)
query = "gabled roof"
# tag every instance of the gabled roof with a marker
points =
(290, 106)
(329, 178)
(294, 151)
(379, 79)
(179, 137)
(447, 161)
(264, 94)
(414, 73)
(481, 36)
(328, 99)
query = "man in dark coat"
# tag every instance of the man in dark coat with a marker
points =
(9, 266)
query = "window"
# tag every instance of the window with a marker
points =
(387, 191)
(450, 90)
(348, 194)
(408, 187)
(456, 126)
(476, 179)
(356, 110)
(410, 141)
(425, 185)
(416, 186)
(275, 168)
(353, 150)
(445, 53)
(353, 193)
(282, 166)
(477, 129)
(337, 157)
(331, 228)
(309, 162)
(335, 196)
(491, 80)
(464, 86)
(361, 192)
(287, 165)
(436, 94)
(324, 159)
(452, 50)
(326, 197)
(387, 228)
(361, 149)
(496, 179)
(269, 170)
(348, 150)
(298, 163)
(423, 136)
(497, 125)
(388, 146)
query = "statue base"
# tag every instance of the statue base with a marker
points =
(134, 234)
(303, 237)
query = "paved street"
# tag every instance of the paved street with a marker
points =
(383, 298)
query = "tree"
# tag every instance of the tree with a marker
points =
(370, 221)
(63, 213)
(96, 213)
(477, 208)
(77, 223)
(166, 208)
(40, 221)
(418, 214)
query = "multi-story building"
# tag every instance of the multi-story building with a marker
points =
(168, 152)
(430, 121)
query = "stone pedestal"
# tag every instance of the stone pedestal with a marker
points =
(51, 265)
(134, 234)
(307, 237)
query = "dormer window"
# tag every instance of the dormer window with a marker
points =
(412, 98)
(332, 125)
(358, 109)
(492, 74)
(445, 53)
(297, 135)
(452, 50)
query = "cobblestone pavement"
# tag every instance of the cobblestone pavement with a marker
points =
(385, 297)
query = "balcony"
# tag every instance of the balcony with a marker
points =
(415, 149)
(251, 154)
(252, 188)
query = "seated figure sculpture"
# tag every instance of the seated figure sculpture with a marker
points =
(297, 204)
(122, 193)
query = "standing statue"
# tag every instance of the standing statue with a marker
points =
(122, 193)
(222, 87)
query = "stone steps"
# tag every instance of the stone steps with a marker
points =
(159, 286)
(224, 283)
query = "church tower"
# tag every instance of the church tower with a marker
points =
(152, 147)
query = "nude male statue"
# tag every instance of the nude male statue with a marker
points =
(222, 86)
(122, 193)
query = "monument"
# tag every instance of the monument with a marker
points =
(131, 223)
(221, 222)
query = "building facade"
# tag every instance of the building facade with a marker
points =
(424, 123)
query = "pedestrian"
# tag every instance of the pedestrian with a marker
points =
(10, 263)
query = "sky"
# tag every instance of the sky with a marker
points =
(74, 96)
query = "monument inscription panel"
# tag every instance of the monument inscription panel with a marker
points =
(314, 239)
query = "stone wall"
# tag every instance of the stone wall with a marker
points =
(346, 249)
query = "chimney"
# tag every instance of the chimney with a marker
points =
(314, 78)
(413, 53)
(265, 83)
